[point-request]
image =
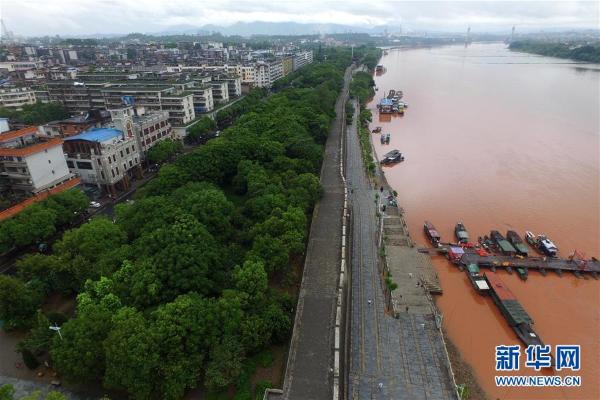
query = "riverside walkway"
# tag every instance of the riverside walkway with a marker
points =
(390, 358)
(309, 372)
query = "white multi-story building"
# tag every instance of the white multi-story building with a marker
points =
(30, 164)
(220, 91)
(302, 58)
(275, 70)
(104, 157)
(16, 97)
(262, 76)
(149, 128)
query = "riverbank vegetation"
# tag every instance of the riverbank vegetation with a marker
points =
(187, 284)
(573, 51)
(362, 89)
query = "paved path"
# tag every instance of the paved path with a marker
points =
(309, 373)
(390, 358)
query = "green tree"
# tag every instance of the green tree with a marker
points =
(164, 150)
(7, 392)
(78, 355)
(18, 302)
(131, 356)
(39, 338)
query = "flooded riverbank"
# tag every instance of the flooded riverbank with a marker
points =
(502, 140)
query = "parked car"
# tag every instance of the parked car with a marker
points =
(95, 204)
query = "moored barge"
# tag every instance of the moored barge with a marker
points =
(477, 280)
(520, 246)
(512, 310)
(502, 244)
(461, 233)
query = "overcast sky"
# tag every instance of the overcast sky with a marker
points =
(81, 17)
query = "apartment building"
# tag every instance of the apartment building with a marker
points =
(106, 158)
(302, 58)
(275, 71)
(203, 98)
(149, 129)
(153, 96)
(220, 90)
(16, 97)
(287, 63)
(77, 97)
(30, 164)
(262, 76)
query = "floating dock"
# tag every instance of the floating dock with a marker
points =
(482, 259)
(541, 264)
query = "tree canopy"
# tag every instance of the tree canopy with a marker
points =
(184, 286)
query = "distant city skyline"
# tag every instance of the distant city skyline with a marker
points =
(87, 17)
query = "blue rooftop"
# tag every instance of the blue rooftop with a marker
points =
(386, 102)
(97, 135)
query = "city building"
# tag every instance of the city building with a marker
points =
(153, 96)
(149, 129)
(74, 125)
(302, 58)
(77, 97)
(16, 97)
(30, 164)
(288, 65)
(107, 158)
(220, 91)
(275, 71)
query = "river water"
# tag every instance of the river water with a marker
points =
(502, 140)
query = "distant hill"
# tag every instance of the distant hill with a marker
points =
(272, 28)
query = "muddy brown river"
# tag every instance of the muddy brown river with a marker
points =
(502, 140)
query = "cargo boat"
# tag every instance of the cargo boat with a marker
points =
(520, 246)
(393, 157)
(386, 106)
(379, 68)
(387, 138)
(461, 233)
(477, 280)
(431, 233)
(377, 130)
(512, 310)
(541, 243)
(502, 244)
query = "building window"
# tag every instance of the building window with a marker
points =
(84, 165)
(114, 158)
(99, 163)
(112, 172)
(136, 160)
(130, 163)
(127, 150)
(117, 168)
(121, 153)
(52, 172)
(18, 159)
(70, 164)
(124, 167)
(109, 160)
(102, 174)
